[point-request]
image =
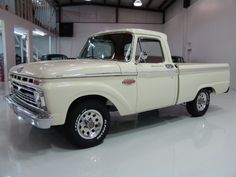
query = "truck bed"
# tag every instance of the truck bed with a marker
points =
(194, 77)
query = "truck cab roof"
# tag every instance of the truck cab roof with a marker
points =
(134, 31)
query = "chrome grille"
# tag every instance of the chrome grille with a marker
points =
(24, 93)
(22, 78)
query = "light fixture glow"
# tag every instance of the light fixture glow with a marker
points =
(138, 3)
(38, 32)
(23, 36)
(19, 33)
(88, 0)
(19, 117)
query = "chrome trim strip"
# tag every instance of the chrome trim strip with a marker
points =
(151, 74)
(79, 76)
(98, 75)
(37, 119)
(19, 74)
(201, 70)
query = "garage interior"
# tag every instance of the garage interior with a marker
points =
(165, 142)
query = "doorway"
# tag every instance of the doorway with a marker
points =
(20, 45)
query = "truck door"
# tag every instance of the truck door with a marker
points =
(157, 79)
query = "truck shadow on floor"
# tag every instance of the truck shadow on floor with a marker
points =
(152, 118)
(38, 141)
(124, 124)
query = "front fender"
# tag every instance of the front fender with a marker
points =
(60, 94)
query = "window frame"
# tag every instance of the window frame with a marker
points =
(132, 53)
(151, 38)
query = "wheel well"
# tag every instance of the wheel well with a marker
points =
(210, 89)
(104, 100)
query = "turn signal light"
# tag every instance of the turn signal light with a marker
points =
(37, 82)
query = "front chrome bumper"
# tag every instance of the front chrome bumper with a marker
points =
(36, 118)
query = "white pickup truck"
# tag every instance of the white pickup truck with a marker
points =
(130, 70)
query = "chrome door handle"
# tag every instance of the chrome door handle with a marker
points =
(169, 66)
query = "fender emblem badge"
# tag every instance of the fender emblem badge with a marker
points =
(128, 81)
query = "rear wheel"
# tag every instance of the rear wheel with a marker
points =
(88, 123)
(199, 106)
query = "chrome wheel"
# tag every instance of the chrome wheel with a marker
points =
(89, 124)
(201, 101)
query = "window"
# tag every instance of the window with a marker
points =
(127, 51)
(100, 49)
(108, 47)
(153, 49)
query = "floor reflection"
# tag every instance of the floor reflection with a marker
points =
(30, 140)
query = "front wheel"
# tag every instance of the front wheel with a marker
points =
(199, 106)
(88, 123)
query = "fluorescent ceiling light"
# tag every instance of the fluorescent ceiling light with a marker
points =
(38, 2)
(23, 35)
(38, 32)
(138, 3)
(19, 33)
(87, 0)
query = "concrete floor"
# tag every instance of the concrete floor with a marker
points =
(160, 143)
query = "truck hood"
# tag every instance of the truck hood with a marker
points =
(67, 68)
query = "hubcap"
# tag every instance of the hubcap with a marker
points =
(201, 101)
(90, 124)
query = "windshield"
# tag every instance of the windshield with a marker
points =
(108, 47)
(53, 57)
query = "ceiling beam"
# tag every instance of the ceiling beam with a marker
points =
(186, 3)
(170, 4)
(109, 5)
(165, 8)
(163, 4)
(149, 3)
(163, 17)
(117, 11)
(118, 2)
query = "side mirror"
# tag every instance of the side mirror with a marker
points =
(142, 57)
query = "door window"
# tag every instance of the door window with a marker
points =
(152, 49)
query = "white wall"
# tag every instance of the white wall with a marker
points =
(174, 28)
(92, 14)
(209, 29)
(91, 19)
(174, 10)
(41, 43)
(212, 30)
